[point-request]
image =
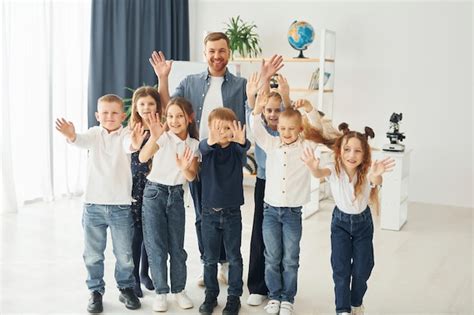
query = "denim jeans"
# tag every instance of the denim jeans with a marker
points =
(281, 234)
(256, 276)
(195, 188)
(95, 221)
(352, 256)
(225, 226)
(139, 251)
(163, 233)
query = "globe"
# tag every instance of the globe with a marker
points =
(300, 36)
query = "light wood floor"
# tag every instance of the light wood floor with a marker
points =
(426, 268)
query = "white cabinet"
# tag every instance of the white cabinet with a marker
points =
(394, 191)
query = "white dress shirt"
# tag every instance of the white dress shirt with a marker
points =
(343, 192)
(287, 177)
(164, 169)
(109, 176)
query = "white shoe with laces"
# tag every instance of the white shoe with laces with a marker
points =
(160, 304)
(273, 307)
(200, 280)
(358, 310)
(256, 299)
(286, 308)
(183, 300)
(223, 274)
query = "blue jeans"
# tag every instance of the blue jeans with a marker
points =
(195, 188)
(220, 226)
(163, 233)
(352, 256)
(95, 221)
(281, 234)
(256, 276)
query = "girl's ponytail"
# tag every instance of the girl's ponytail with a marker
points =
(313, 134)
(369, 132)
(344, 128)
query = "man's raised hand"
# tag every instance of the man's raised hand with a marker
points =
(161, 66)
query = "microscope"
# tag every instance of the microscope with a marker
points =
(394, 135)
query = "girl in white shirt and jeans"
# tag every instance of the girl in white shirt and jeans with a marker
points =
(353, 183)
(287, 190)
(174, 148)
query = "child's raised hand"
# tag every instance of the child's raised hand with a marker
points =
(66, 128)
(238, 132)
(303, 103)
(215, 131)
(310, 159)
(270, 67)
(155, 125)
(260, 102)
(161, 66)
(137, 136)
(380, 167)
(184, 161)
(283, 87)
(252, 84)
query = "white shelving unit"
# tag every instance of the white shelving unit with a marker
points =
(327, 56)
(298, 71)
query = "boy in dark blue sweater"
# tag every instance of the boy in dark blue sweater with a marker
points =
(223, 156)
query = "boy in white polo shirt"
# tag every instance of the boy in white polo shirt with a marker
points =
(287, 190)
(107, 199)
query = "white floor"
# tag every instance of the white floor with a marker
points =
(426, 268)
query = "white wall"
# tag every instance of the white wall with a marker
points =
(414, 58)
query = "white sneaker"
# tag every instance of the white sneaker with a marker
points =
(160, 304)
(183, 300)
(200, 280)
(223, 273)
(256, 299)
(286, 308)
(344, 313)
(358, 310)
(273, 307)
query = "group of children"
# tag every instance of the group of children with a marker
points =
(135, 186)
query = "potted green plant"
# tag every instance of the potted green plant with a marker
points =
(243, 38)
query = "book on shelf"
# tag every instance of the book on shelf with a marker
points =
(314, 82)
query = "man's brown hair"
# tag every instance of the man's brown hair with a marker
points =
(215, 36)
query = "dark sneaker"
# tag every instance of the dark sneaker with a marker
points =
(129, 298)
(138, 290)
(207, 307)
(95, 303)
(146, 280)
(232, 306)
